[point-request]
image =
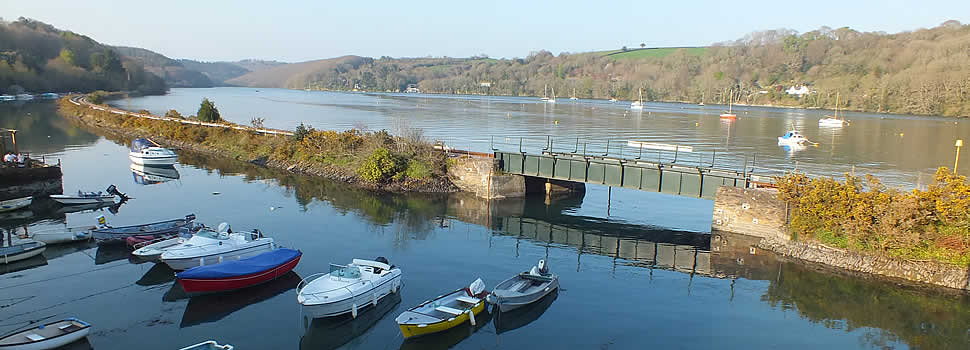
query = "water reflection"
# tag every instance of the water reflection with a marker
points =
(518, 318)
(214, 307)
(40, 133)
(334, 332)
(159, 274)
(150, 175)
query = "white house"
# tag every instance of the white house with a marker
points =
(798, 90)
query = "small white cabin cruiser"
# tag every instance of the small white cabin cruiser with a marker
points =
(209, 247)
(793, 138)
(348, 288)
(147, 152)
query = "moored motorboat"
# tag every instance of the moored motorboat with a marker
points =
(208, 247)
(25, 249)
(793, 138)
(524, 288)
(348, 288)
(63, 235)
(232, 275)
(147, 152)
(16, 203)
(444, 312)
(208, 345)
(107, 234)
(107, 197)
(47, 336)
(152, 250)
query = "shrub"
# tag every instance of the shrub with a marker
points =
(208, 111)
(380, 166)
(301, 132)
(97, 97)
(417, 170)
(174, 114)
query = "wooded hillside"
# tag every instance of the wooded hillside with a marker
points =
(926, 71)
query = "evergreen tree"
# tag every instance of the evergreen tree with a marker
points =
(208, 111)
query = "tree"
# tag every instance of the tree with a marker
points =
(623, 48)
(643, 45)
(208, 111)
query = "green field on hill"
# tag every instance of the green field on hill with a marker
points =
(653, 53)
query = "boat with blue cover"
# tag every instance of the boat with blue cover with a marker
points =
(238, 274)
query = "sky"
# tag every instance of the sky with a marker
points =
(293, 31)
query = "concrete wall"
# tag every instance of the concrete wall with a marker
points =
(750, 211)
(478, 175)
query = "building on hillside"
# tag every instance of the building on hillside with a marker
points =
(798, 90)
(485, 84)
(412, 89)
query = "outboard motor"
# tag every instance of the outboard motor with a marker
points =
(543, 269)
(383, 260)
(114, 190)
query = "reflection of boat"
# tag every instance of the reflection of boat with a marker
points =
(158, 274)
(509, 320)
(524, 288)
(24, 249)
(348, 288)
(444, 312)
(147, 152)
(63, 235)
(239, 274)
(449, 338)
(212, 308)
(150, 175)
(209, 247)
(208, 345)
(85, 207)
(36, 261)
(110, 252)
(48, 336)
(106, 234)
(638, 104)
(16, 203)
(334, 332)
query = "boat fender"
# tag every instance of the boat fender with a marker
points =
(353, 310)
(471, 317)
(374, 299)
(201, 261)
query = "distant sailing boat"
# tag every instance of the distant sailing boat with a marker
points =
(574, 95)
(545, 93)
(833, 121)
(703, 97)
(638, 104)
(730, 113)
(553, 98)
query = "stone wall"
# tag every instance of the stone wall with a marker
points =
(478, 175)
(928, 272)
(750, 211)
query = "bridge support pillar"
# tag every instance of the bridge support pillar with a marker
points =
(479, 175)
(750, 211)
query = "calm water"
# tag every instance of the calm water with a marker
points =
(903, 150)
(648, 275)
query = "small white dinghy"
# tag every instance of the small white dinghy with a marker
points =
(89, 197)
(63, 235)
(152, 250)
(25, 249)
(16, 203)
(208, 345)
(147, 152)
(348, 288)
(48, 336)
(209, 247)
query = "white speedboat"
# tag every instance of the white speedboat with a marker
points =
(793, 138)
(147, 152)
(63, 235)
(348, 288)
(16, 203)
(209, 247)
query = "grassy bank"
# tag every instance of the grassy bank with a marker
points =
(371, 159)
(864, 215)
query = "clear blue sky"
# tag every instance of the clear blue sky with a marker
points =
(311, 29)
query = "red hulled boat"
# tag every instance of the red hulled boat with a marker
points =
(238, 274)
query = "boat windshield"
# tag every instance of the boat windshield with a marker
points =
(209, 234)
(139, 144)
(344, 271)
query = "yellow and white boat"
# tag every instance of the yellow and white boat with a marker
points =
(444, 312)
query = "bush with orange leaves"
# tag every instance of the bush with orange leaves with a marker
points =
(862, 214)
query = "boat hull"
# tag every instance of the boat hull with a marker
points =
(199, 286)
(50, 342)
(120, 234)
(509, 303)
(729, 116)
(14, 204)
(68, 236)
(153, 252)
(361, 299)
(416, 330)
(188, 262)
(22, 255)
(152, 161)
(74, 200)
(832, 123)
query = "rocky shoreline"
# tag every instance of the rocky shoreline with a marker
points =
(433, 185)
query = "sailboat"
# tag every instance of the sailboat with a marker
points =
(574, 95)
(730, 113)
(703, 97)
(545, 94)
(638, 104)
(553, 98)
(833, 121)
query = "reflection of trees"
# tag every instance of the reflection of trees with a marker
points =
(922, 319)
(40, 129)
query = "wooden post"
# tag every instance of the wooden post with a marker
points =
(956, 162)
(13, 138)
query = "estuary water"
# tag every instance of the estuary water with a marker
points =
(640, 270)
